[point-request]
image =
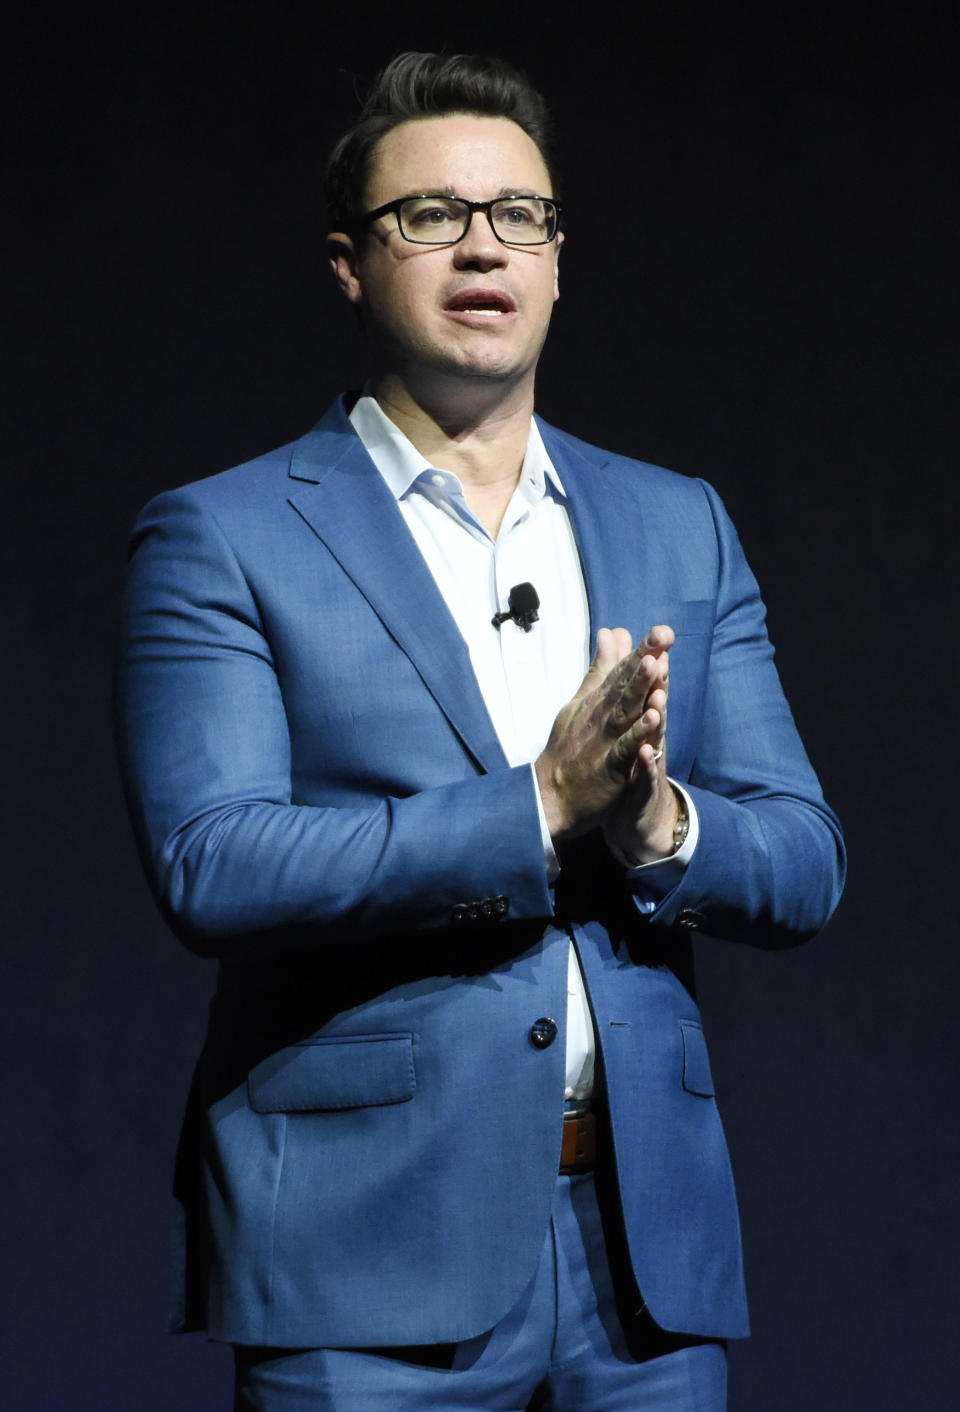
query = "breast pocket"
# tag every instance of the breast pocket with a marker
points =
(689, 617)
(342, 1071)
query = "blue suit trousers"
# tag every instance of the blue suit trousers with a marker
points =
(574, 1342)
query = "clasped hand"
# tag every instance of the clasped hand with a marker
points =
(604, 765)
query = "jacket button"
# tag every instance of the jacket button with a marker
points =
(473, 911)
(458, 915)
(543, 1032)
(501, 906)
(690, 919)
(488, 908)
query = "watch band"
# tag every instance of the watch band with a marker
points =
(682, 827)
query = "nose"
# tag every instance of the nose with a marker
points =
(479, 249)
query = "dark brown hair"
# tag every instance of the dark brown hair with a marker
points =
(428, 86)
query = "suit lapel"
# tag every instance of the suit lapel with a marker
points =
(343, 498)
(605, 525)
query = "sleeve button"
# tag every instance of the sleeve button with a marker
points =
(690, 919)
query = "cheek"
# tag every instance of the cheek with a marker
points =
(548, 291)
(396, 303)
(410, 293)
(542, 284)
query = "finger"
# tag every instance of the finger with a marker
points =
(623, 697)
(614, 655)
(659, 669)
(647, 759)
(635, 747)
(657, 701)
(614, 650)
(655, 706)
(651, 767)
(660, 638)
(625, 691)
(621, 641)
(638, 662)
(653, 751)
(643, 669)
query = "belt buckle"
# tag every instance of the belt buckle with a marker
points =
(578, 1149)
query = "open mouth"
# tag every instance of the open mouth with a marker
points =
(490, 303)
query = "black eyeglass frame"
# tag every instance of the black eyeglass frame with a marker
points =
(472, 207)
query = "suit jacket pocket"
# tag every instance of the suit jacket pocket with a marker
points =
(689, 617)
(697, 1077)
(350, 1071)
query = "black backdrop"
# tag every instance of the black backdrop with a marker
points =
(776, 317)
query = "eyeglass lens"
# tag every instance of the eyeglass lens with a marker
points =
(518, 220)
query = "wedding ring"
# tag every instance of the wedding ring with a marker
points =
(658, 753)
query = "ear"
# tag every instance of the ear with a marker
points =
(344, 262)
(556, 266)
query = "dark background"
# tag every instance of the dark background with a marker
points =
(776, 314)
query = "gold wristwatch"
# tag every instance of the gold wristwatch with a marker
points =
(682, 827)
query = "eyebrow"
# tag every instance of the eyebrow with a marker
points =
(453, 193)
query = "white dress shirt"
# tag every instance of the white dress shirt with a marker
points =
(524, 677)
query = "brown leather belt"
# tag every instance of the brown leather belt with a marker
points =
(578, 1151)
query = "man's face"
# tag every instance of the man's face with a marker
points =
(477, 309)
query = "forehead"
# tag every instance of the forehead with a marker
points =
(476, 157)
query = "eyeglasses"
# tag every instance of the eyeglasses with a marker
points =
(445, 220)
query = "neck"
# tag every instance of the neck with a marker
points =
(477, 432)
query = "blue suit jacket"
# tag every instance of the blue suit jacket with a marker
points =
(317, 790)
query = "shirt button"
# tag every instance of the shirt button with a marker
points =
(543, 1032)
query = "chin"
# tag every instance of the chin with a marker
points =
(490, 363)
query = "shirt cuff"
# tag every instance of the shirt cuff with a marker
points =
(550, 859)
(650, 882)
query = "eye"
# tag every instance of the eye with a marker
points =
(429, 214)
(521, 220)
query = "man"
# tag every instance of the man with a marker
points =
(452, 1141)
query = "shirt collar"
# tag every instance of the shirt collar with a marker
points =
(401, 464)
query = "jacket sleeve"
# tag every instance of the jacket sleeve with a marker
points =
(206, 757)
(769, 864)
